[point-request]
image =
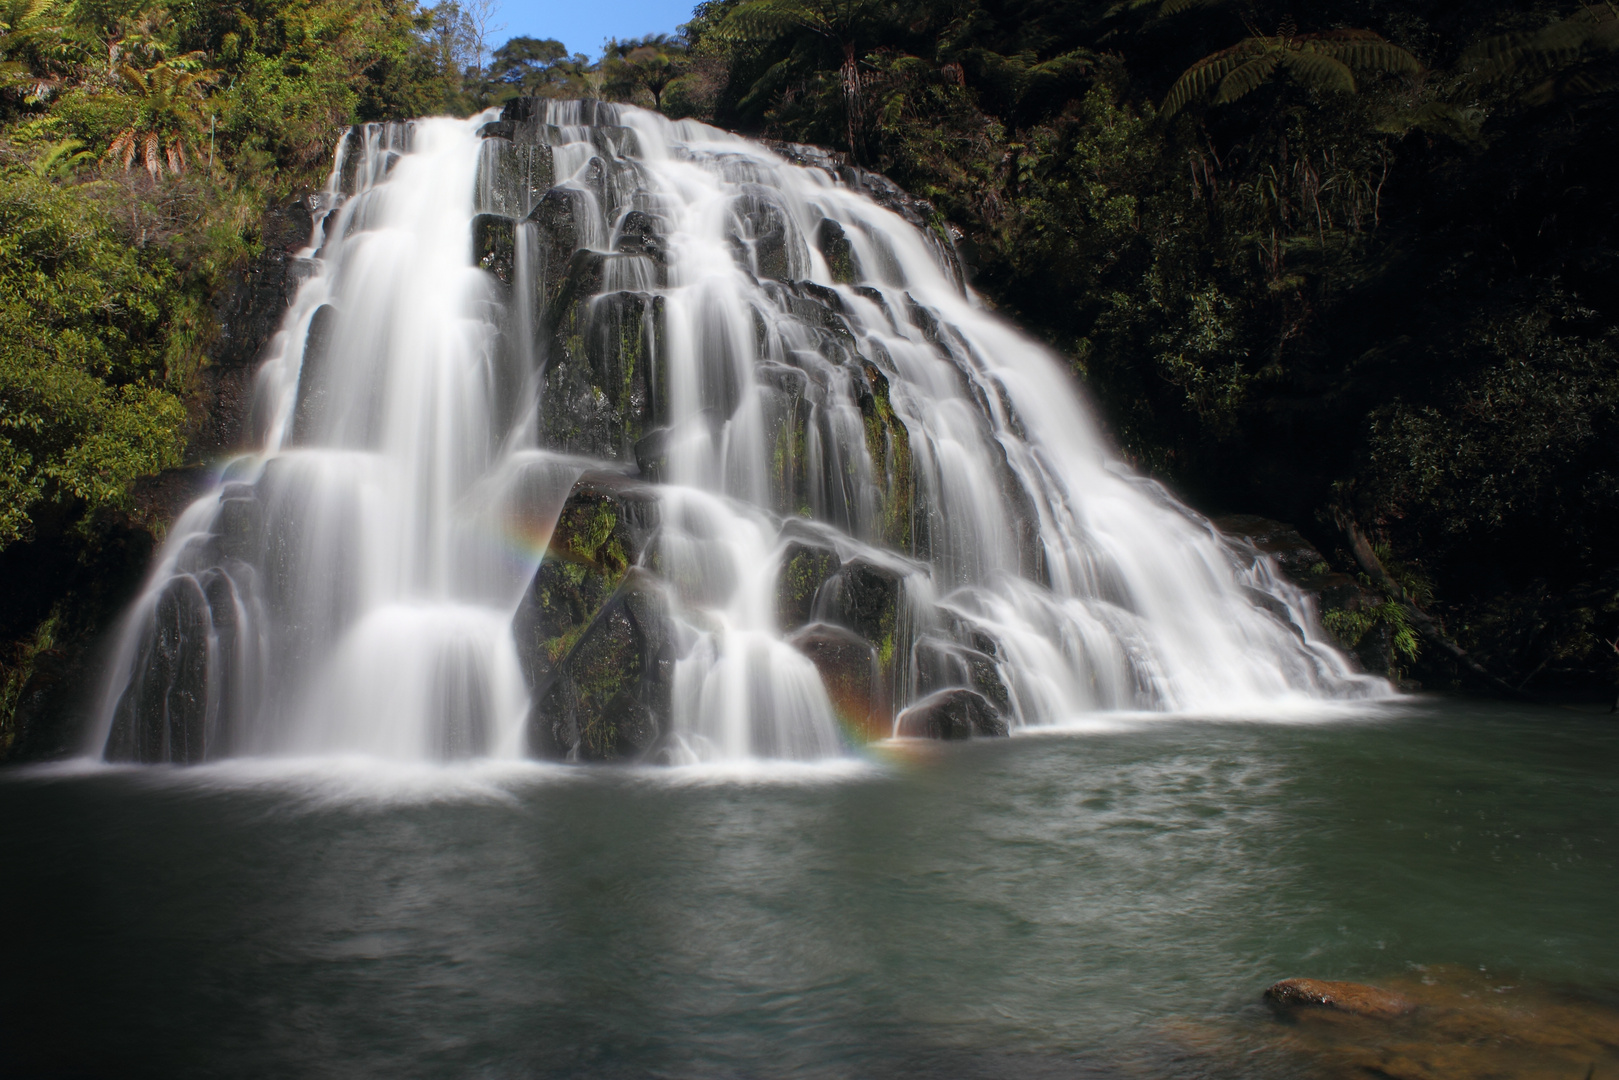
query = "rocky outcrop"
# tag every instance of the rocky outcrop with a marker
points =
(1346, 997)
(246, 315)
(883, 191)
(593, 633)
(1346, 605)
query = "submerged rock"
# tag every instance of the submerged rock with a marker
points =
(950, 714)
(1346, 997)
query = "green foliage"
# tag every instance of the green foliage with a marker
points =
(1351, 627)
(85, 406)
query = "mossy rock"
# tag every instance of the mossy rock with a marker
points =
(609, 698)
(865, 597)
(834, 246)
(848, 667)
(951, 714)
(888, 442)
(602, 384)
(805, 567)
(494, 244)
(603, 530)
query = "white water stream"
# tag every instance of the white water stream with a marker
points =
(350, 587)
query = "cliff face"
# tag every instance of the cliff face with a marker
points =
(63, 591)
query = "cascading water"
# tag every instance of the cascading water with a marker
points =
(593, 435)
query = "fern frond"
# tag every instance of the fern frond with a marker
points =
(1319, 71)
(1247, 78)
(763, 20)
(151, 153)
(1364, 50)
(1202, 77)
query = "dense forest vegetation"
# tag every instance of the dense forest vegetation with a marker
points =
(1348, 264)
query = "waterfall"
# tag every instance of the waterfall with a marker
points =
(593, 435)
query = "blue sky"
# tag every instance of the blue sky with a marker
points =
(582, 25)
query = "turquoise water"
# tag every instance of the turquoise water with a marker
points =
(1060, 904)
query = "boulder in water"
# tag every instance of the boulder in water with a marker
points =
(848, 667)
(1346, 997)
(608, 699)
(942, 664)
(958, 713)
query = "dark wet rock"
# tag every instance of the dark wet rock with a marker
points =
(950, 714)
(514, 177)
(839, 253)
(602, 384)
(161, 716)
(314, 390)
(941, 664)
(652, 455)
(494, 243)
(553, 233)
(883, 191)
(889, 444)
(603, 530)
(638, 235)
(1347, 997)
(805, 567)
(238, 524)
(608, 698)
(865, 596)
(785, 409)
(768, 245)
(848, 667)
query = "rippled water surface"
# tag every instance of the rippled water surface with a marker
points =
(1100, 902)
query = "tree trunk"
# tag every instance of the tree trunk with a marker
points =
(853, 108)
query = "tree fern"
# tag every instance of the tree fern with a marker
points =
(1319, 61)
